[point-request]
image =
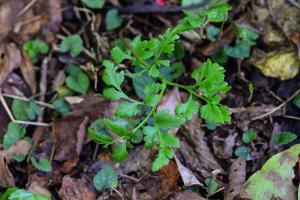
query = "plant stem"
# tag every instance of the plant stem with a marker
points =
(164, 85)
(130, 99)
(187, 88)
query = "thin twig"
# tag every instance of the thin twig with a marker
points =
(2, 100)
(277, 108)
(26, 8)
(129, 177)
(26, 99)
(291, 117)
(53, 141)
(219, 190)
(118, 193)
(95, 151)
(43, 85)
(294, 3)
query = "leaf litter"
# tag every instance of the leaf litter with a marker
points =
(70, 104)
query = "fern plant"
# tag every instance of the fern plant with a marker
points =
(138, 119)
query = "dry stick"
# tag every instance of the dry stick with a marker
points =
(277, 108)
(26, 99)
(43, 85)
(291, 117)
(219, 190)
(53, 141)
(118, 193)
(129, 177)
(2, 100)
(26, 8)
(294, 3)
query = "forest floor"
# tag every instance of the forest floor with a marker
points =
(47, 109)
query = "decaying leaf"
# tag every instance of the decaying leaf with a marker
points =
(283, 65)
(81, 135)
(15, 17)
(285, 15)
(21, 147)
(237, 176)
(70, 131)
(28, 72)
(37, 183)
(187, 195)
(195, 149)
(36, 188)
(275, 179)
(10, 59)
(6, 178)
(76, 189)
(223, 147)
(186, 174)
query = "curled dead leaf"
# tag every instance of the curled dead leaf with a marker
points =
(81, 135)
(186, 174)
(223, 147)
(6, 178)
(10, 59)
(28, 72)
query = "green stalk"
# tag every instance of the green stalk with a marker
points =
(164, 85)
(187, 88)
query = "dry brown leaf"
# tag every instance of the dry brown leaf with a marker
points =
(36, 188)
(139, 158)
(237, 177)
(8, 13)
(195, 147)
(28, 72)
(81, 135)
(15, 85)
(223, 147)
(21, 147)
(65, 133)
(186, 174)
(69, 132)
(29, 21)
(76, 189)
(10, 59)
(187, 195)
(6, 178)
